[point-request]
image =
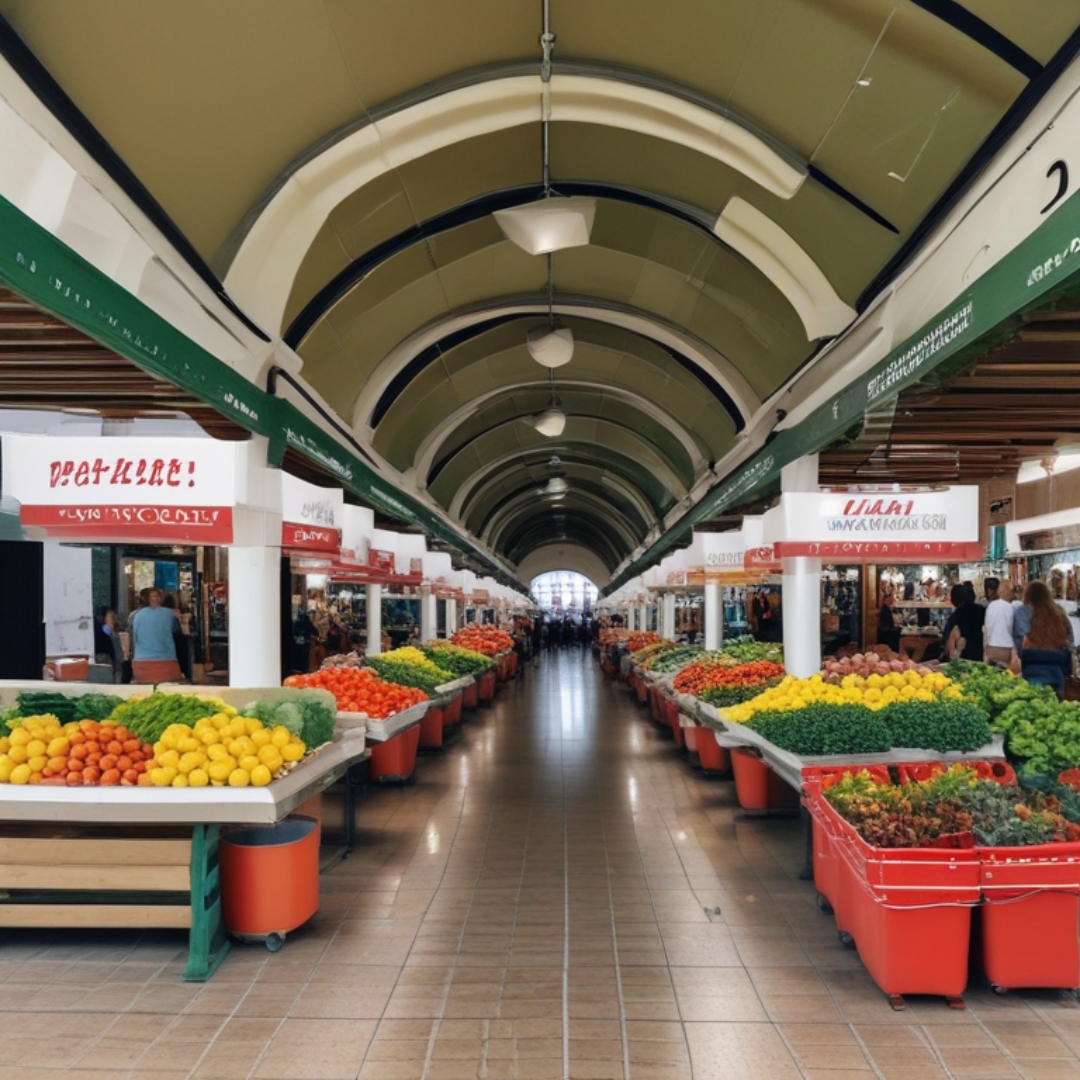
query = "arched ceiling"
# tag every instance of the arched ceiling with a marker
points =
(757, 168)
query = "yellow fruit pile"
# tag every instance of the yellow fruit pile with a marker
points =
(873, 691)
(222, 751)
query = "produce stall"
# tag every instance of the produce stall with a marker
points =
(102, 827)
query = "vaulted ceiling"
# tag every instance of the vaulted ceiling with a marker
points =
(758, 169)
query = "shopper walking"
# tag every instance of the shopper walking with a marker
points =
(998, 645)
(153, 648)
(1046, 655)
(108, 648)
(963, 632)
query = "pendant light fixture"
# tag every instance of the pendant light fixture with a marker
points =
(552, 421)
(552, 223)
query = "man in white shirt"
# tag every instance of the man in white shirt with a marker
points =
(998, 628)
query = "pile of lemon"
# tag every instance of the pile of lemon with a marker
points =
(27, 749)
(222, 751)
(873, 691)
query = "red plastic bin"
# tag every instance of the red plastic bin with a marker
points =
(431, 729)
(757, 787)
(470, 696)
(672, 712)
(395, 759)
(714, 758)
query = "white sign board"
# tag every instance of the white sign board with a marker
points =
(941, 524)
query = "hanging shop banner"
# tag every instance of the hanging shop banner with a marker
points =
(865, 526)
(383, 561)
(143, 489)
(724, 557)
(763, 560)
(310, 516)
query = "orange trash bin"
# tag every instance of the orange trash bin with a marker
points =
(270, 879)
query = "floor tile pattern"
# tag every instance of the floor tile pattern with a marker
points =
(558, 896)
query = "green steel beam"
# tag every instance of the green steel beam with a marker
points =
(43, 269)
(1041, 270)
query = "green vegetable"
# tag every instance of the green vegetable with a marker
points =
(722, 696)
(94, 706)
(747, 649)
(148, 717)
(824, 728)
(455, 660)
(1042, 733)
(42, 702)
(821, 729)
(310, 714)
(405, 674)
(936, 725)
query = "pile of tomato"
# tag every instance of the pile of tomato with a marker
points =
(706, 673)
(360, 690)
(488, 640)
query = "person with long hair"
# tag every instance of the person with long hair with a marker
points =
(1046, 655)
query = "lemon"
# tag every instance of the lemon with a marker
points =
(18, 754)
(249, 762)
(36, 747)
(198, 778)
(260, 776)
(211, 737)
(203, 725)
(260, 737)
(38, 762)
(189, 743)
(219, 770)
(180, 780)
(267, 754)
(6, 769)
(280, 736)
(293, 751)
(219, 721)
(251, 725)
(235, 728)
(239, 778)
(159, 777)
(20, 774)
(217, 751)
(170, 759)
(58, 747)
(191, 760)
(19, 737)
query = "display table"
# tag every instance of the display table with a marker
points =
(144, 856)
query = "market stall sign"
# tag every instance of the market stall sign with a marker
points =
(763, 560)
(911, 526)
(310, 516)
(175, 490)
(382, 561)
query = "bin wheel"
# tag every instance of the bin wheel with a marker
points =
(845, 939)
(274, 942)
(823, 905)
(999, 990)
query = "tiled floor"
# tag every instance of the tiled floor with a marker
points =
(541, 904)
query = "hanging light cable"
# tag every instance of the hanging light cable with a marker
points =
(552, 420)
(552, 223)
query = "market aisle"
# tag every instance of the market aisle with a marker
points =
(558, 896)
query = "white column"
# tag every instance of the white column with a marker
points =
(714, 615)
(254, 616)
(374, 620)
(451, 618)
(631, 612)
(428, 615)
(643, 617)
(802, 616)
(667, 629)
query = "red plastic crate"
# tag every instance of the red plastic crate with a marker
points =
(656, 705)
(1028, 922)
(452, 711)
(908, 909)
(640, 689)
